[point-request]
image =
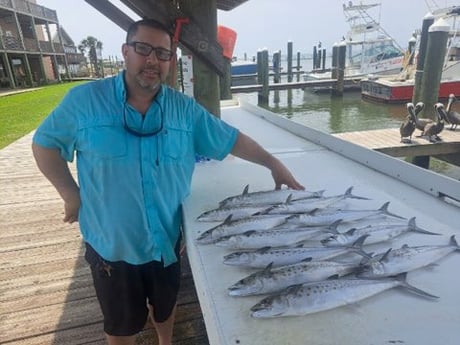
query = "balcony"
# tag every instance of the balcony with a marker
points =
(29, 8)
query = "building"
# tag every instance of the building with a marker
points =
(28, 54)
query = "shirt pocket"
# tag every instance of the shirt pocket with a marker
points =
(105, 141)
(176, 144)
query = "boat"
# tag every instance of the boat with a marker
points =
(399, 88)
(243, 72)
(369, 48)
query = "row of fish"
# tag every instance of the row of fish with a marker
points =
(270, 232)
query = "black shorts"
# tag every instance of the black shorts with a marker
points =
(123, 291)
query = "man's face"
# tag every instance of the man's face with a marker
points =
(148, 72)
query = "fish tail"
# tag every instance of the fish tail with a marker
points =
(454, 242)
(384, 210)
(415, 228)
(401, 278)
(348, 194)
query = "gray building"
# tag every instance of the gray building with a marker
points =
(32, 50)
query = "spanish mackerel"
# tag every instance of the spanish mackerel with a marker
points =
(324, 217)
(262, 257)
(404, 259)
(315, 297)
(276, 279)
(377, 233)
(254, 239)
(237, 212)
(229, 227)
(308, 205)
(269, 197)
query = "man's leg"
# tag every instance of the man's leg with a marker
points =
(164, 329)
(112, 340)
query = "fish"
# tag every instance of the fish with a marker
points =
(324, 217)
(262, 257)
(229, 227)
(315, 297)
(377, 233)
(276, 237)
(308, 205)
(237, 212)
(271, 279)
(269, 197)
(404, 259)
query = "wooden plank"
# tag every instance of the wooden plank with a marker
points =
(46, 291)
(388, 141)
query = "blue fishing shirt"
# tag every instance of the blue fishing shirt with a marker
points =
(131, 187)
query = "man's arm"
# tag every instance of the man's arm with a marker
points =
(56, 170)
(248, 149)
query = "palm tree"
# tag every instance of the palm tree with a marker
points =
(89, 46)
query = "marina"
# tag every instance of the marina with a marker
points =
(46, 293)
(45, 286)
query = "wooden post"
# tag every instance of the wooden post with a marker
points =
(289, 61)
(315, 56)
(226, 81)
(335, 55)
(427, 21)
(277, 67)
(434, 60)
(263, 95)
(206, 81)
(324, 59)
(337, 90)
(320, 57)
(298, 66)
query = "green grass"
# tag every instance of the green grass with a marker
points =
(23, 112)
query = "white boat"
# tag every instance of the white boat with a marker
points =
(369, 48)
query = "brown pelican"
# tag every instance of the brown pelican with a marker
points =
(421, 122)
(408, 126)
(432, 130)
(452, 116)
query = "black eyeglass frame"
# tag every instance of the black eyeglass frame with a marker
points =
(138, 133)
(158, 50)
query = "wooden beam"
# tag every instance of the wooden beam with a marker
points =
(191, 36)
(112, 12)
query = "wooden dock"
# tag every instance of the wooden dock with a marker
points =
(388, 141)
(46, 292)
(325, 83)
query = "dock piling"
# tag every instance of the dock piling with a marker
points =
(262, 76)
(289, 61)
(337, 90)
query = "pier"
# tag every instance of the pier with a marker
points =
(323, 83)
(388, 141)
(46, 289)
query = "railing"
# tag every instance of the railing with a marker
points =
(31, 45)
(45, 46)
(30, 8)
(11, 43)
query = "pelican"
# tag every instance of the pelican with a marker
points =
(408, 126)
(420, 123)
(432, 130)
(451, 115)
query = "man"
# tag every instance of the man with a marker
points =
(136, 141)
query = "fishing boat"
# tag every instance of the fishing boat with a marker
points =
(399, 88)
(369, 48)
(243, 72)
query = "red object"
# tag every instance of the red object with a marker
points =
(179, 22)
(396, 92)
(227, 39)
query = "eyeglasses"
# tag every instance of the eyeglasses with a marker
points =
(146, 49)
(137, 133)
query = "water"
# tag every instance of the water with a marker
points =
(341, 114)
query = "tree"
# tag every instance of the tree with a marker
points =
(89, 46)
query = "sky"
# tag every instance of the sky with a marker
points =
(260, 24)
